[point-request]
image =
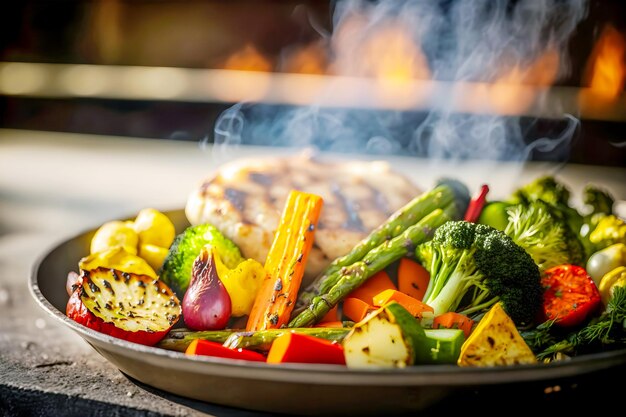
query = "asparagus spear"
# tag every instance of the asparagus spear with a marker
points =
(180, 339)
(262, 339)
(350, 277)
(447, 192)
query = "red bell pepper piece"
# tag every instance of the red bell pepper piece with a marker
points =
(570, 295)
(300, 348)
(476, 205)
(208, 348)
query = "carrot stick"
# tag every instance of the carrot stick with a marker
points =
(375, 284)
(331, 316)
(413, 278)
(285, 262)
(412, 305)
(356, 309)
(454, 320)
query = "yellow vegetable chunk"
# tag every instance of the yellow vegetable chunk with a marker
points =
(241, 282)
(612, 279)
(154, 255)
(154, 228)
(117, 258)
(495, 341)
(115, 234)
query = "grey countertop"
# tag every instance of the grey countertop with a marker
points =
(54, 185)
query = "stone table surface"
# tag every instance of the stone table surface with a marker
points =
(55, 185)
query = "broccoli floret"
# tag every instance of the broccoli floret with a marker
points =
(557, 195)
(545, 188)
(176, 269)
(472, 266)
(600, 201)
(543, 233)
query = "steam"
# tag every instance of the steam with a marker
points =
(495, 42)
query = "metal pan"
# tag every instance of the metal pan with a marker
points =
(294, 388)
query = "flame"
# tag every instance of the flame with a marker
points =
(248, 59)
(515, 90)
(388, 53)
(309, 59)
(392, 55)
(606, 71)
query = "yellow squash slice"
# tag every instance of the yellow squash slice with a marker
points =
(495, 341)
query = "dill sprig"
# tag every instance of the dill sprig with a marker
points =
(607, 329)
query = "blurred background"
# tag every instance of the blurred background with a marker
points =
(504, 80)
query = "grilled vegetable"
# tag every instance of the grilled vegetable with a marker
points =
(242, 283)
(206, 305)
(374, 285)
(176, 269)
(117, 258)
(413, 278)
(263, 339)
(137, 308)
(606, 260)
(476, 205)
(356, 309)
(447, 193)
(610, 281)
(494, 214)
(541, 230)
(376, 260)
(442, 346)
(113, 234)
(300, 348)
(495, 341)
(156, 233)
(453, 320)
(570, 296)
(387, 338)
(413, 306)
(208, 348)
(609, 231)
(179, 339)
(602, 332)
(286, 261)
(473, 266)
(154, 228)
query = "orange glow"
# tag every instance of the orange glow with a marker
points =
(510, 93)
(248, 59)
(606, 71)
(310, 59)
(392, 55)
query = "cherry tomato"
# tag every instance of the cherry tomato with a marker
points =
(570, 295)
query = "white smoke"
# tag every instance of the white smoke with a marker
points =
(476, 41)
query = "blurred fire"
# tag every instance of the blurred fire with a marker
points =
(510, 93)
(308, 59)
(606, 71)
(248, 59)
